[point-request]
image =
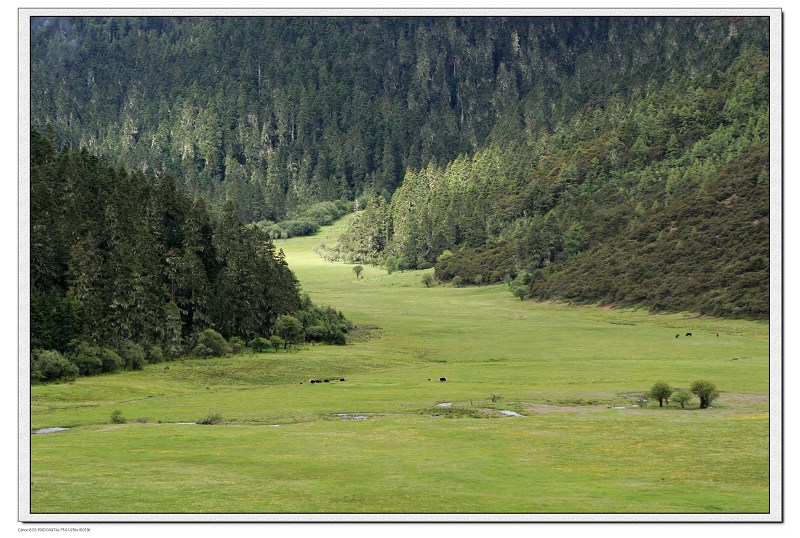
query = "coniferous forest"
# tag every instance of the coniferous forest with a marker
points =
(614, 160)
(126, 271)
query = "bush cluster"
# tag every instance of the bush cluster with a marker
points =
(316, 324)
(50, 365)
(308, 222)
(483, 265)
(211, 344)
(706, 391)
(323, 324)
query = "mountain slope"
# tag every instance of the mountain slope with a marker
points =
(660, 201)
(275, 113)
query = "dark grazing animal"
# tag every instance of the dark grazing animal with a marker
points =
(688, 334)
(442, 379)
(677, 335)
(342, 379)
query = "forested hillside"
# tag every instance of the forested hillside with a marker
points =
(659, 199)
(596, 159)
(122, 262)
(275, 113)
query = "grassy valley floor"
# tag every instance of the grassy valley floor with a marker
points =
(383, 442)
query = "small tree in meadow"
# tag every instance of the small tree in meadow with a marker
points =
(277, 342)
(661, 391)
(259, 344)
(682, 397)
(706, 391)
(456, 281)
(427, 279)
(521, 292)
(358, 269)
(289, 329)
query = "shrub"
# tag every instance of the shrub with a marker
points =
(274, 231)
(215, 344)
(236, 343)
(337, 338)
(523, 279)
(661, 391)
(276, 341)
(289, 328)
(682, 397)
(299, 227)
(202, 351)
(117, 418)
(173, 352)
(132, 355)
(706, 391)
(111, 360)
(155, 355)
(50, 365)
(456, 281)
(427, 279)
(444, 256)
(211, 418)
(316, 333)
(324, 213)
(343, 206)
(93, 360)
(259, 344)
(491, 262)
(87, 360)
(391, 264)
(403, 264)
(422, 263)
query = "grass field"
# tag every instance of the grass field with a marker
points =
(379, 442)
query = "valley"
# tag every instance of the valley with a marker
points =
(380, 442)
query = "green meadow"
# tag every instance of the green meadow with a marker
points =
(380, 442)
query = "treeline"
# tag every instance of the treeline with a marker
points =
(126, 270)
(660, 200)
(275, 114)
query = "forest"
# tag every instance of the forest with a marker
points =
(660, 199)
(127, 271)
(608, 160)
(276, 113)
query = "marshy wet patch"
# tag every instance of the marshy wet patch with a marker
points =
(352, 416)
(48, 430)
